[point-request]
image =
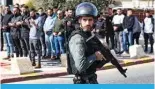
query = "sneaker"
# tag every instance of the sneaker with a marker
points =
(124, 53)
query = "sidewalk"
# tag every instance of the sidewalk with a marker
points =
(53, 68)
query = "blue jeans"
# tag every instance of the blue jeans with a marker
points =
(49, 44)
(9, 43)
(59, 45)
(127, 40)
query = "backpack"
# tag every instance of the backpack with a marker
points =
(137, 26)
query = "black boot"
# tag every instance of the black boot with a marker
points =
(33, 63)
(151, 51)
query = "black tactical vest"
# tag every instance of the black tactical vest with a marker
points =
(93, 44)
(90, 50)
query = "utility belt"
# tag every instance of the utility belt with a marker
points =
(84, 79)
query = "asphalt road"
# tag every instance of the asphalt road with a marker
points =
(137, 74)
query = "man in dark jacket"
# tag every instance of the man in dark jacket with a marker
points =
(42, 37)
(6, 32)
(128, 24)
(24, 31)
(109, 31)
(100, 27)
(15, 31)
(70, 21)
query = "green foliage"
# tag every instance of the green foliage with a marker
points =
(30, 4)
(62, 4)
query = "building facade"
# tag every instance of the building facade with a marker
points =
(6, 2)
(12, 2)
(136, 3)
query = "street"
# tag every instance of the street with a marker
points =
(137, 74)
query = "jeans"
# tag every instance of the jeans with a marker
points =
(17, 45)
(9, 43)
(25, 46)
(111, 36)
(42, 44)
(136, 36)
(127, 40)
(148, 36)
(59, 44)
(118, 41)
(35, 49)
(49, 44)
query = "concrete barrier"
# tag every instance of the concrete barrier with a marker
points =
(63, 59)
(136, 51)
(21, 65)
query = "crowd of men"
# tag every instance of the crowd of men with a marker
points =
(29, 32)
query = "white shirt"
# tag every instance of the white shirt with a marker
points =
(118, 19)
(148, 25)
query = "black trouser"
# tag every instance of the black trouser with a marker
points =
(87, 79)
(17, 46)
(111, 36)
(25, 46)
(42, 44)
(136, 36)
(148, 36)
(2, 41)
(35, 49)
(118, 41)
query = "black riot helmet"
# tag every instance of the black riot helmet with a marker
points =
(86, 9)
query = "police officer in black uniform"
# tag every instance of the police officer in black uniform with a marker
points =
(85, 51)
(82, 62)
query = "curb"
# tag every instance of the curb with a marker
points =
(48, 75)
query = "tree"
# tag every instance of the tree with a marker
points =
(30, 4)
(100, 4)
